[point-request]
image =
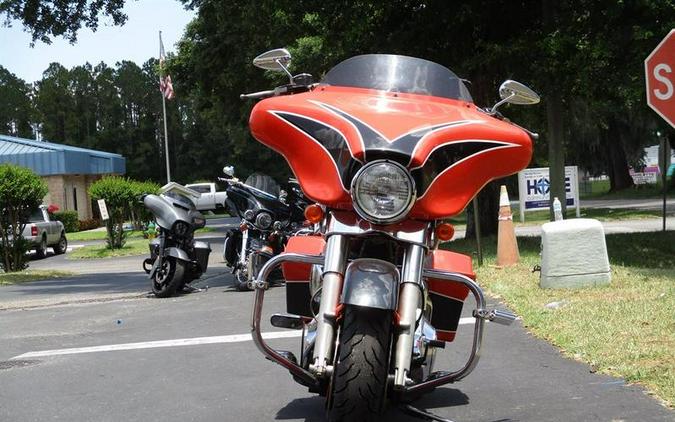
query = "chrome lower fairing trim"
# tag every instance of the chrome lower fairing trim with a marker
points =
(481, 314)
(260, 285)
(409, 231)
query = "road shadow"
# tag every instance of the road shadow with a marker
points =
(135, 282)
(311, 409)
(131, 282)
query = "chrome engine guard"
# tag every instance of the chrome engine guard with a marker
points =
(433, 380)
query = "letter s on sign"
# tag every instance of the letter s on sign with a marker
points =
(663, 96)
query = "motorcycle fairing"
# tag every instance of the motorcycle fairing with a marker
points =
(448, 297)
(297, 275)
(451, 147)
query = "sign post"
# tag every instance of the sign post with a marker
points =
(534, 187)
(660, 83)
(103, 209)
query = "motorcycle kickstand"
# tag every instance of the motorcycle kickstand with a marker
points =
(421, 414)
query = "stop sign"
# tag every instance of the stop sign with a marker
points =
(660, 75)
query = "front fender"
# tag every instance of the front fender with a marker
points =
(177, 253)
(371, 283)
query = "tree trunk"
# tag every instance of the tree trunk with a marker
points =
(554, 116)
(617, 164)
(556, 150)
(488, 210)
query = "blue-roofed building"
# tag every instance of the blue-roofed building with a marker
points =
(68, 171)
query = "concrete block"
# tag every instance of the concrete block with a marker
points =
(573, 254)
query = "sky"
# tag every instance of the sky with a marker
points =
(137, 40)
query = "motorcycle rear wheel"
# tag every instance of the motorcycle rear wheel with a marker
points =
(166, 280)
(358, 389)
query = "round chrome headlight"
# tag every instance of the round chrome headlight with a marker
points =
(181, 228)
(249, 215)
(383, 192)
(263, 220)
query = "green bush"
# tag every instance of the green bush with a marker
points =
(69, 219)
(90, 223)
(139, 214)
(21, 191)
(118, 195)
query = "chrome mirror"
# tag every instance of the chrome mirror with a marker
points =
(276, 60)
(513, 92)
(516, 93)
(229, 171)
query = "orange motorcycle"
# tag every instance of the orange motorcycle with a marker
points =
(386, 147)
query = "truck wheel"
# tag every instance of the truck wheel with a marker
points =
(60, 248)
(359, 382)
(41, 250)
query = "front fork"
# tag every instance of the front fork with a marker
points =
(333, 276)
(409, 301)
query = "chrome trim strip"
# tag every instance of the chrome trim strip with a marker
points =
(307, 377)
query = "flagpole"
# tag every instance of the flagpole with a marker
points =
(166, 138)
(166, 142)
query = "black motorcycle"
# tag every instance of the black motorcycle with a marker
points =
(176, 258)
(268, 216)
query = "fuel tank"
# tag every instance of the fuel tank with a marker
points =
(451, 147)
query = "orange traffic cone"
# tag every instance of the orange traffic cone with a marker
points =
(507, 246)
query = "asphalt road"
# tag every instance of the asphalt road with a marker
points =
(219, 378)
(202, 369)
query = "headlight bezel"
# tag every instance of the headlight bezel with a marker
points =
(263, 225)
(181, 228)
(400, 214)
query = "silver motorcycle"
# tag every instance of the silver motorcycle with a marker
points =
(176, 258)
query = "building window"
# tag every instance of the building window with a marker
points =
(75, 197)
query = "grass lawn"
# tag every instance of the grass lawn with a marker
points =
(100, 234)
(132, 247)
(30, 275)
(602, 214)
(626, 329)
(598, 189)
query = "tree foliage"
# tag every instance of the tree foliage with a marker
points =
(583, 56)
(21, 191)
(16, 108)
(118, 195)
(45, 19)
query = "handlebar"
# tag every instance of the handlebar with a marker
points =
(258, 95)
(280, 90)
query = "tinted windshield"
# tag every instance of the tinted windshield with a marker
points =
(393, 73)
(180, 198)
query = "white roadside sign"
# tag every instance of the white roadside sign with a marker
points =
(534, 186)
(103, 209)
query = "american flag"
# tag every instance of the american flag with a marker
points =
(165, 85)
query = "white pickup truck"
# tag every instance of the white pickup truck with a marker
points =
(210, 198)
(42, 232)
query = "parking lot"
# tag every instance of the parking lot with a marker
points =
(98, 346)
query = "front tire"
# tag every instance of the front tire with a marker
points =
(359, 385)
(168, 277)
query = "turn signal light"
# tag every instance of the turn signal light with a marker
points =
(314, 213)
(444, 232)
(243, 226)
